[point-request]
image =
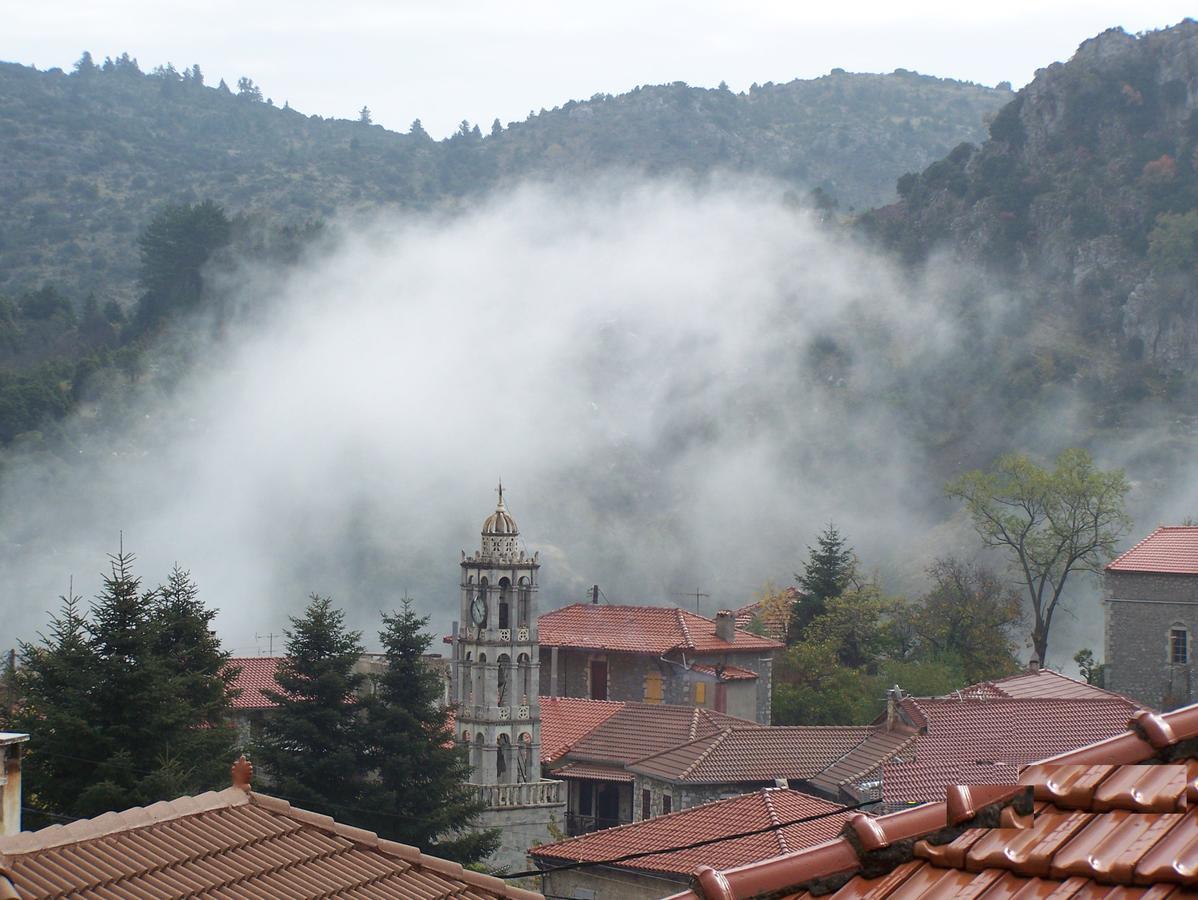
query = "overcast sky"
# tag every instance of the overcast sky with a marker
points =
(452, 59)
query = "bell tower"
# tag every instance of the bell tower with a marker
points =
(496, 680)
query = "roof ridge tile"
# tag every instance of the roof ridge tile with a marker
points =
(114, 822)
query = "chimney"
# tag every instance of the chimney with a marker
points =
(725, 626)
(11, 750)
(1033, 664)
(894, 696)
(594, 593)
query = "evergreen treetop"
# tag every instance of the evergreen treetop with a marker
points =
(312, 743)
(421, 795)
(830, 568)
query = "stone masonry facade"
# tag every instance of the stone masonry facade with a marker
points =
(1147, 615)
(629, 676)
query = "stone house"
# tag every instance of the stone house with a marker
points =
(1151, 616)
(656, 655)
(599, 787)
(736, 760)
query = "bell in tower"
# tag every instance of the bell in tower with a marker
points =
(495, 686)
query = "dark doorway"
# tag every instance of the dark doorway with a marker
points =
(607, 805)
(598, 679)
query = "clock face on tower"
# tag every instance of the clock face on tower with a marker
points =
(478, 611)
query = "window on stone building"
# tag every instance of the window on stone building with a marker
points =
(523, 602)
(599, 678)
(1179, 646)
(654, 688)
(646, 804)
(667, 804)
(505, 600)
(700, 692)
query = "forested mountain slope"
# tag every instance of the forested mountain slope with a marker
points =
(1085, 200)
(90, 156)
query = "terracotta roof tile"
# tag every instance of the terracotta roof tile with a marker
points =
(1171, 549)
(640, 629)
(1117, 818)
(257, 675)
(972, 741)
(593, 772)
(747, 812)
(564, 720)
(880, 745)
(638, 730)
(752, 754)
(775, 621)
(725, 673)
(1042, 684)
(227, 844)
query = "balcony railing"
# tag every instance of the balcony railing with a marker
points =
(527, 793)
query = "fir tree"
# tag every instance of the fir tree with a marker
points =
(312, 743)
(126, 708)
(830, 568)
(53, 687)
(421, 795)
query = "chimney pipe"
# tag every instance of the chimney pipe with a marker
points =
(11, 750)
(1033, 664)
(725, 626)
(594, 593)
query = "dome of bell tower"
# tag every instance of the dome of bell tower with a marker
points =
(500, 532)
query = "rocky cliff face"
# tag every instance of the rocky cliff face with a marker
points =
(1085, 197)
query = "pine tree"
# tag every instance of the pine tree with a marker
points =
(421, 795)
(830, 568)
(127, 710)
(191, 654)
(311, 746)
(53, 687)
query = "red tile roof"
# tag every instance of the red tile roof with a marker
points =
(592, 772)
(971, 741)
(865, 760)
(643, 729)
(1171, 549)
(774, 621)
(1118, 818)
(1042, 684)
(747, 812)
(725, 673)
(257, 675)
(566, 719)
(231, 843)
(640, 629)
(753, 754)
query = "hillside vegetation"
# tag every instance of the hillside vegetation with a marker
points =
(1084, 200)
(92, 155)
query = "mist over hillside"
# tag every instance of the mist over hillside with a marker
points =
(680, 379)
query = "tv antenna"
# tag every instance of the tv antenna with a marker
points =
(696, 593)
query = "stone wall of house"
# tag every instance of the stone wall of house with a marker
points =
(682, 796)
(522, 827)
(1141, 611)
(628, 676)
(610, 883)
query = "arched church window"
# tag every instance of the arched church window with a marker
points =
(524, 758)
(505, 592)
(502, 759)
(467, 685)
(524, 667)
(505, 676)
(523, 602)
(476, 755)
(480, 679)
